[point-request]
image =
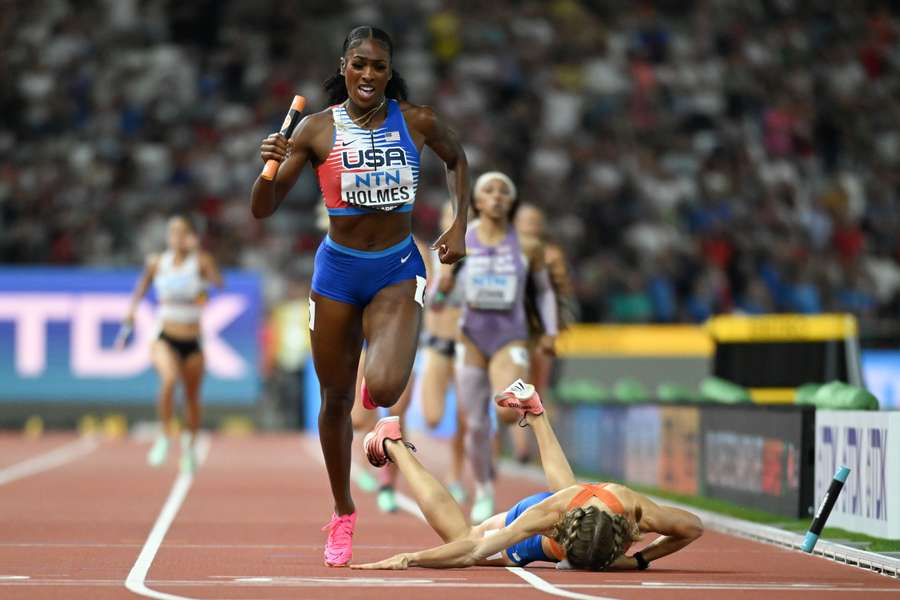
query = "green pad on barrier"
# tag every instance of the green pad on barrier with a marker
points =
(629, 390)
(716, 389)
(805, 393)
(582, 391)
(837, 395)
(672, 392)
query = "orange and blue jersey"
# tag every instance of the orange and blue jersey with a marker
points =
(531, 549)
(370, 170)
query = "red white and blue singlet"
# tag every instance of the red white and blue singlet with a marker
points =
(370, 169)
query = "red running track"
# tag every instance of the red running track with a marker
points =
(249, 528)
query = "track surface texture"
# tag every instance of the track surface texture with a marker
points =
(247, 526)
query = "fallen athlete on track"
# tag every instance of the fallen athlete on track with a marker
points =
(582, 526)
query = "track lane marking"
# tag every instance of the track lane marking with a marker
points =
(407, 504)
(135, 582)
(49, 460)
(548, 588)
(313, 582)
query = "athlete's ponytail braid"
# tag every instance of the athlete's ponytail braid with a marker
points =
(592, 538)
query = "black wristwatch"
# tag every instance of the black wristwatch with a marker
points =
(642, 562)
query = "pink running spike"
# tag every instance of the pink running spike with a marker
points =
(339, 547)
(522, 397)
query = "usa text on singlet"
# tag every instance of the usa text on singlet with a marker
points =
(368, 170)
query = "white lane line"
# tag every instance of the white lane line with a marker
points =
(193, 546)
(135, 580)
(14, 577)
(49, 460)
(407, 504)
(548, 588)
(312, 582)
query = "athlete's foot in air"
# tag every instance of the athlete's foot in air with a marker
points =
(367, 402)
(157, 454)
(522, 397)
(386, 429)
(339, 545)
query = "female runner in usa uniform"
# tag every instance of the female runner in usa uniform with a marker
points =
(369, 278)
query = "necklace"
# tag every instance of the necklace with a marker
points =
(363, 120)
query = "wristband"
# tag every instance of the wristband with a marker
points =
(642, 562)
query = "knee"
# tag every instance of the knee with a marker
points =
(476, 427)
(167, 384)
(336, 404)
(386, 388)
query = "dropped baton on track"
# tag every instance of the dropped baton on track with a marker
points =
(834, 490)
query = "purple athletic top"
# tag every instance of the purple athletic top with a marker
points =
(494, 286)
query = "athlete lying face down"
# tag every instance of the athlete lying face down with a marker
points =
(582, 526)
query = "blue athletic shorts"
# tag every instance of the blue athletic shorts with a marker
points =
(355, 276)
(529, 549)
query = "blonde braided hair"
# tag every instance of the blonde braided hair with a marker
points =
(592, 538)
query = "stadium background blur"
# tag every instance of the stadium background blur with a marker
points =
(693, 157)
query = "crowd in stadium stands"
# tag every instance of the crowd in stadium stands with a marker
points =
(693, 157)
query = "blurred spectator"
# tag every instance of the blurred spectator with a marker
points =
(692, 157)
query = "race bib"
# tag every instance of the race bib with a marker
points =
(385, 189)
(491, 291)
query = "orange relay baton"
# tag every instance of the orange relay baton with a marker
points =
(287, 129)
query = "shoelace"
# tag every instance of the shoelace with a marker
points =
(513, 402)
(341, 529)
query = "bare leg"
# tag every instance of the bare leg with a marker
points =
(391, 324)
(436, 375)
(192, 372)
(520, 443)
(390, 471)
(506, 365)
(166, 363)
(556, 466)
(336, 341)
(458, 448)
(363, 422)
(442, 512)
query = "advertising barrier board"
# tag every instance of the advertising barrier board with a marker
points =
(759, 456)
(869, 443)
(57, 327)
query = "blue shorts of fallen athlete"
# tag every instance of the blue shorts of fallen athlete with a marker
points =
(355, 276)
(530, 549)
